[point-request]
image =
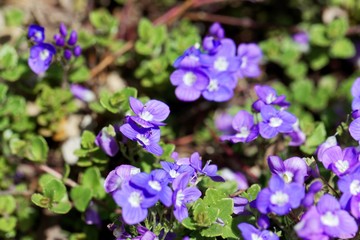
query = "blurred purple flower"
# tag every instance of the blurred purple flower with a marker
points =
(239, 205)
(40, 57)
(59, 40)
(36, 33)
(92, 216)
(330, 142)
(349, 185)
(275, 121)
(250, 56)
(308, 200)
(240, 178)
(302, 39)
(82, 93)
(175, 170)
(145, 234)
(246, 130)
(220, 88)
(209, 170)
(280, 197)
(189, 60)
(249, 232)
(354, 129)
(73, 38)
(216, 30)
(106, 140)
(63, 30)
(77, 51)
(223, 122)
(297, 136)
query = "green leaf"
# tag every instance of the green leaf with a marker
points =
(17, 146)
(38, 149)
(8, 56)
(88, 139)
(204, 214)
(3, 91)
(13, 74)
(103, 21)
(7, 204)
(318, 35)
(145, 29)
(318, 59)
(315, 139)
(14, 16)
(143, 48)
(92, 180)
(81, 74)
(189, 223)
(61, 207)
(45, 179)
(81, 197)
(297, 71)
(40, 200)
(251, 193)
(301, 90)
(7, 224)
(342, 48)
(55, 190)
(337, 28)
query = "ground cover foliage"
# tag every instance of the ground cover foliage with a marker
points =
(197, 119)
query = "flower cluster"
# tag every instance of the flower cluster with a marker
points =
(174, 185)
(212, 69)
(41, 53)
(273, 120)
(144, 127)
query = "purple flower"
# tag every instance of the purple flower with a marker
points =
(149, 115)
(145, 234)
(154, 184)
(63, 30)
(106, 140)
(250, 56)
(92, 216)
(211, 45)
(148, 138)
(67, 54)
(326, 219)
(246, 130)
(302, 39)
(134, 203)
(40, 57)
(279, 197)
(330, 142)
(119, 176)
(189, 83)
(355, 92)
(308, 200)
(209, 170)
(275, 121)
(189, 60)
(238, 177)
(291, 170)
(340, 161)
(77, 51)
(174, 170)
(220, 88)
(297, 136)
(82, 93)
(224, 59)
(263, 221)
(239, 205)
(73, 38)
(216, 30)
(349, 185)
(59, 40)
(183, 195)
(268, 96)
(249, 232)
(36, 33)
(354, 129)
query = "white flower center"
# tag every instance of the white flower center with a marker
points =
(134, 171)
(355, 187)
(173, 173)
(342, 166)
(135, 199)
(244, 133)
(189, 78)
(244, 61)
(287, 176)
(145, 115)
(38, 35)
(44, 54)
(155, 185)
(329, 219)
(275, 122)
(270, 98)
(279, 198)
(179, 198)
(221, 64)
(254, 236)
(143, 139)
(213, 85)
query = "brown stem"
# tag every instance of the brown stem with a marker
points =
(58, 175)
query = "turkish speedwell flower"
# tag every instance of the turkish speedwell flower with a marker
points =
(40, 57)
(36, 33)
(249, 232)
(291, 170)
(106, 140)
